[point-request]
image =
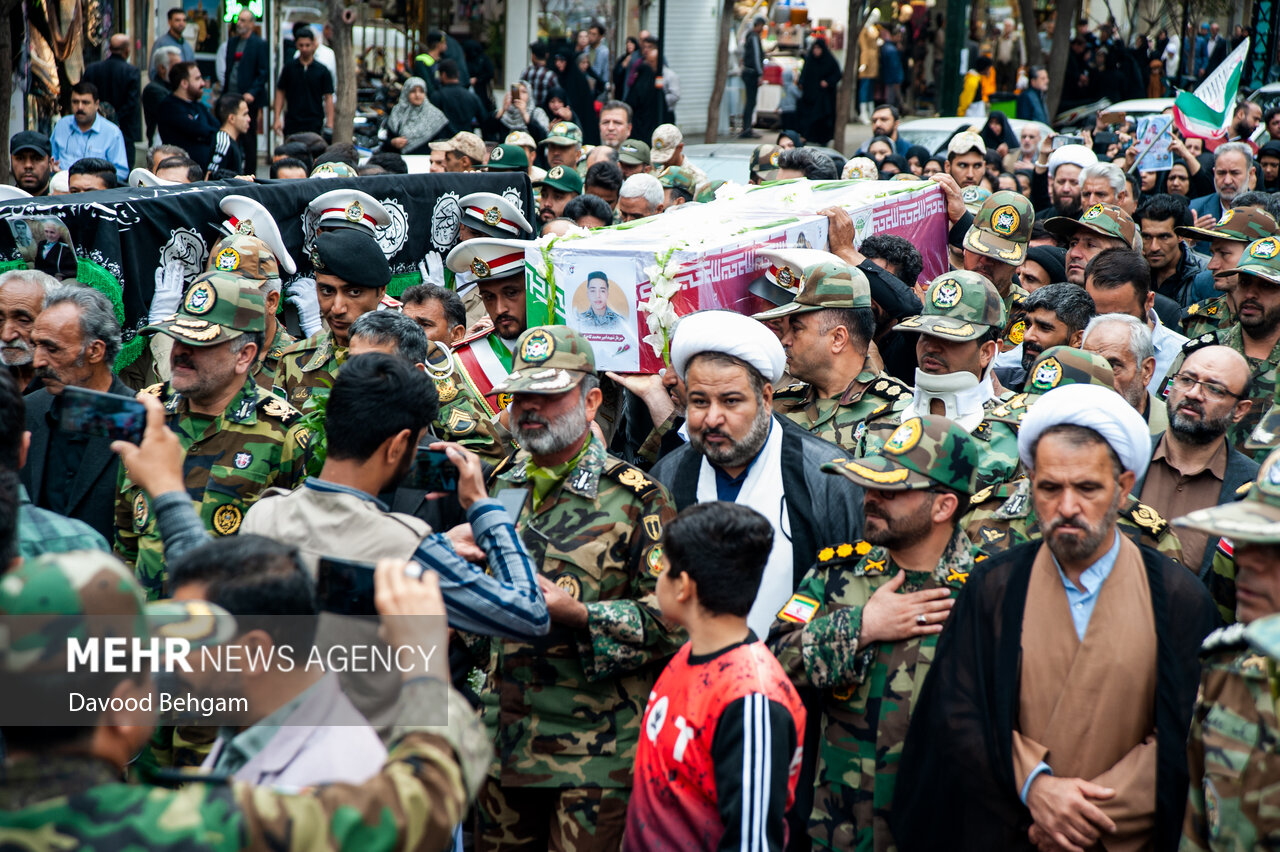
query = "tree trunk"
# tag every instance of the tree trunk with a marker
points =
(1068, 11)
(7, 10)
(1030, 32)
(344, 97)
(849, 79)
(722, 76)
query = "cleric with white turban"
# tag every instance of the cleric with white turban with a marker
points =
(731, 334)
(740, 451)
(1092, 407)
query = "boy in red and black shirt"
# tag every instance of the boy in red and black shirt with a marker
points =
(720, 754)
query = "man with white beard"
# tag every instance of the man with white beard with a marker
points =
(21, 300)
(1125, 342)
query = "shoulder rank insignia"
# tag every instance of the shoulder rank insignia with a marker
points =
(983, 431)
(990, 535)
(273, 407)
(798, 388)
(982, 496)
(1146, 518)
(844, 551)
(632, 478)
(1194, 309)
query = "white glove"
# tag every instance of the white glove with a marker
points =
(168, 293)
(302, 295)
(432, 269)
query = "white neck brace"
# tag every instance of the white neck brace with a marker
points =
(962, 394)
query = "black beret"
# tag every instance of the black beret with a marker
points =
(353, 256)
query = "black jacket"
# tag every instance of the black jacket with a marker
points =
(119, 84)
(1180, 285)
(92, 494)
(189, 125)
(957, 763)
(152, 96)
(463, 109)
(249, 75)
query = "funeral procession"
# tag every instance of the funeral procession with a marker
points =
(634, 426)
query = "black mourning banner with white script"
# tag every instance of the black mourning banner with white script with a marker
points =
(134, 232)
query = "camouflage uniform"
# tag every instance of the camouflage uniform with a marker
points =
(868, 693)
(1232, 760)
(565, 710)
(1261, 259)
(834, 285)
(464, 414)
(52, 801)
(264, 372)
(306, 365)
(959, 306)
(764, 163)
(230, 459)
(1001, 230)
(1239, 225)
(679, 177)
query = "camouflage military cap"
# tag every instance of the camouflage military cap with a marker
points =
(830, 284)
(708, 192)
(924, 452)
(246, 256)
(1002, 228)
(1055, 367)
(564, 133)
(974, 197)
(764, 162)
(1240, 224)
(508, 158)
(959, 305)
(1105, 219)
(218, 306)
(548, 359)
(92, 594)
(1261, 259)
(333, 170)
(678, 177)
(633, 152)
(1255, 519)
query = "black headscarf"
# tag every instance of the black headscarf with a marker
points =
(1005, 135)
(578, 96)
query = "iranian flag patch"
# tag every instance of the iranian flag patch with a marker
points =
(799, 609)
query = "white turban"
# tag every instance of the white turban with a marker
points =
(733, 334)
(1093, 407)
(1074, 155)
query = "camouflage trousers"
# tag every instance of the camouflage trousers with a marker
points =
(844, 818)
(549, 819)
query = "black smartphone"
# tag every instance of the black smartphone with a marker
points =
(1066, 139)
(345, 587)
(432, 471)
(104, 415)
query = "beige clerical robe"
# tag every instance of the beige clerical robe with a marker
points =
(1087, 708)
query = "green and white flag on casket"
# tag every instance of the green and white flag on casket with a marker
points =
(1206, 112)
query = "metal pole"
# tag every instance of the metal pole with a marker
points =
(952, 75)
(662, 58)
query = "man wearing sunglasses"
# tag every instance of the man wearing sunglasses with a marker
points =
(1193, 465)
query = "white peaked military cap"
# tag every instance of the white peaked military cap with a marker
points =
(248, 217)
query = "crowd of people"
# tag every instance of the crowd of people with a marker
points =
(979, 561)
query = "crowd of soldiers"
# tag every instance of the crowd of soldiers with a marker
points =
(925, 455)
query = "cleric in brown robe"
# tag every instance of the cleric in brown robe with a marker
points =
(1056, 712)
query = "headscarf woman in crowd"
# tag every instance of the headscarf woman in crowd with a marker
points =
(789, 139)
(576, 91)
(917, 156)
(623, 66)
(414, 121)
(818, 84)
(880, 147)
(997, 132)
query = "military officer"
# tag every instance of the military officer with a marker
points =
(498, 268)
(958, 339)
(1227, 239)
(565, 711)
(351, 275)
(1255, 332)
(484, 214)
(62, 785)
(1232, 760)
(827, 329)
(261, 252)
(348, 208)
(864, 621)
(238, 439)
(994, 247)
(1002, 516)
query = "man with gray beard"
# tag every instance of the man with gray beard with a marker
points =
(565, 710)
(1194, 465)
(21, 301)
(1125, 342)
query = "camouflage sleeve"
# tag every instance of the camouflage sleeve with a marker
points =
(623, 635)
(126, 538)
(421, 794)
(824, 651)
(1195, 826)
(294, 455)
(652, 445)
